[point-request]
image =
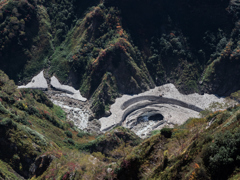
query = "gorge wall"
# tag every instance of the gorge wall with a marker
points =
(113, 49)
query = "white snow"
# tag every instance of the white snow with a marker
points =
(37, 82)
(70, 91)
(173, 114)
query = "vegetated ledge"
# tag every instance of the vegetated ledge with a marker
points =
(163, 99)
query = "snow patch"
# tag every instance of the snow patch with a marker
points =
(174, 106)
(37, 82)
(70, 91)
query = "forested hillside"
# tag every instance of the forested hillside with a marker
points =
(125, 47)
(107, 48)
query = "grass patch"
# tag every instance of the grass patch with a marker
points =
(59, 112)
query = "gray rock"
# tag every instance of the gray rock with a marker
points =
(41, 164)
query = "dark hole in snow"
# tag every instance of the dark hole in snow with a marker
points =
(156, 117)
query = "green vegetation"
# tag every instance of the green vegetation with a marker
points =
(166, 132)
(69, 134)
(82, 134)
(31, 124)
(86, 58)
(105, 49)
(40, 133)
(110, 141)
(59, 112)
(34, 131)
(6, 172)
(222, 157)
(195, 150)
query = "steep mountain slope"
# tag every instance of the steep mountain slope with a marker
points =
(35, 136)
(107, 48)
(100, 57)
(37, 142)
(29, 123)
(200, 149)
(183, 41)
(25, 40)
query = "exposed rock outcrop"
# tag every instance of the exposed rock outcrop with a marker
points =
(41, 164)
